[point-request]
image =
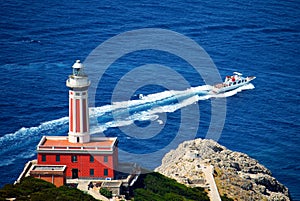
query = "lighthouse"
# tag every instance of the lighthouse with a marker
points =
(78, 83)
(78, 155)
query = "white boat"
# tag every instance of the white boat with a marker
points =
(232, 82)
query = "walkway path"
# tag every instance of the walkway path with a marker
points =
(208, 171)
(83, 186)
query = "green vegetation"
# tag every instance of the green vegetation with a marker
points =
(156, 187)
(36, 189)
(105, 192)
(225, 198)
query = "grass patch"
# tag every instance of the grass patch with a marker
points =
(156, 187)
(36, 189)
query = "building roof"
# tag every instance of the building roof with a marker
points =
(61, 143)
(65, 142)
(48, 169)
(111, 184)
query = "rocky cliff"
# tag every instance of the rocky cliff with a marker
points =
(236, 174)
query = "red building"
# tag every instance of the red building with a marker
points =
(54, 174)
(96, 159)
(85, 156)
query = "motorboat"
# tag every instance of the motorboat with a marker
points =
(232, 82)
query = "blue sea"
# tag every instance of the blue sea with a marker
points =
(40, 41)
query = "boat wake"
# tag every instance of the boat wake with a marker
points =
(118, 114)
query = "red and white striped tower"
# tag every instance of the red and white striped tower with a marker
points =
(78, 83)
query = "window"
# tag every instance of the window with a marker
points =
(105, 172)
(74, 158)
(77, 139)
(43, 157)
(105, 159)
(91, 172)
(92, 159)
(57, 158)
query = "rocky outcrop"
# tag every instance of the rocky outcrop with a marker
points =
(236, 174)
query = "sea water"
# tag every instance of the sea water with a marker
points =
(40, 41)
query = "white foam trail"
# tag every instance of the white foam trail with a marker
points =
(32, 131)
(145, 115)
(112, 124)
(198, 93)
(152, 113)
(7, 162)
(160, 122)
(98, 111)
(12, 159)
(235, 91)
(22, 154)
(175, 107)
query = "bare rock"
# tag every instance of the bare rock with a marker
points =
(270, 183)
(236, 174)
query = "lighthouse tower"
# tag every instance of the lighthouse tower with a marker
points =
(78, 83)
(78, 155)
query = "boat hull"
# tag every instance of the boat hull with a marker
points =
(223, 89)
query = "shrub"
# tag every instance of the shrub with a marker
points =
(225, 198)
(145, 195)
(158, 187)
(105, 192)
(173, 197)
(36, 189)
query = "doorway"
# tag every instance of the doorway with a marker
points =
(74, 173)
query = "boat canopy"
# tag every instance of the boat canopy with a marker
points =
(237, 73)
